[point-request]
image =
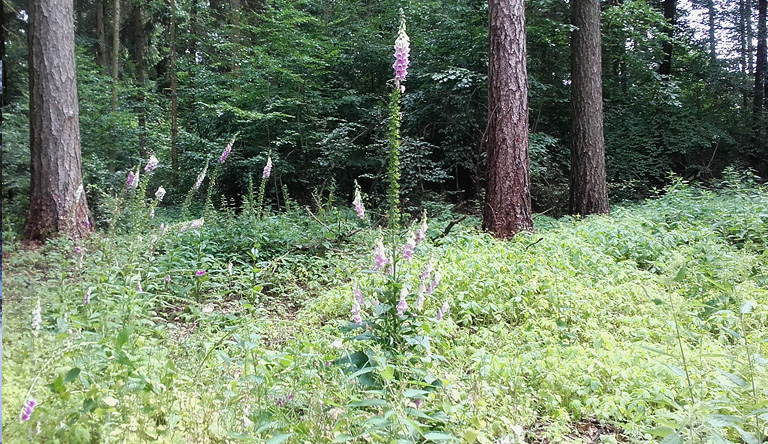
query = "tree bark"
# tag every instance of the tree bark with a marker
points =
(174, 95)
(588, 191)
(57, 198)
(507, 208)
(141, 76)
(761, 79)
(115, 52)
(670, 7)
(711, 15)
(101, 37)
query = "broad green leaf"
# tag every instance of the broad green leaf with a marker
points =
(747, 307)
(674, 438)
(415, 394)
(277, 439)
(368, 402)
(681, 273)
(343, 438)
(470, 436)
(122, 338)
(439, 436)
(71, 375)
(736, 379)
(110, 401)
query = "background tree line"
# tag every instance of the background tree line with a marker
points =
(306, 82)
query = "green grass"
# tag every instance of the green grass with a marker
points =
(649, 325)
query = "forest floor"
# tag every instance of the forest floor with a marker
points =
(648, 325)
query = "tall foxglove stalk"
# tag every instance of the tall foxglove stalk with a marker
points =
(402, 52)
(358, 203)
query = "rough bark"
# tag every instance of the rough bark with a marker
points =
(588, 191)
(141, 76)
(712, 16)
(57, 199)
(670, 7)
(101, 37)
(761, 78)
(507, 208)
(174, 94)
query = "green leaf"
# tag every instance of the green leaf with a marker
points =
(110, 401)
(415, 394)
(388, 373)
(368, 402)
(681, 273)
(343, 438)
(122, 338)
(747, 306)
(71, 375)
(277, 439)
(736, 379)
(674, 438)
(439, 436)
(470, 436)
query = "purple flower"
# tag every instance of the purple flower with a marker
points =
(167, 278)
(420, 299)
(422, 233)
(201, 177)
(200, 273)
(151, 164)
(135, 180)
(78, 250)
(427, 271)
(267, 169)
(29, 407)
(402, 305)
(227, 150)
(138, 288)
(357, 316)
(402, 51)
(358, 204)
(359, 296)
(442, 311)
(129, 180)
(417, 403)
(435, 282)
(410, 244)
(379, 256)
(87, 297)
(87, 223)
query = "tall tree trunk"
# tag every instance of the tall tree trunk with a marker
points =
(57, 199)
(508, 197)
(589, 192)
(111, 151)
(743, 36)
(761, 80)
(141, 76)
(174, 96)
(115, 52)
(101, 37)
(712, 16)
(670, 7)
(750, 38)
(235, 23)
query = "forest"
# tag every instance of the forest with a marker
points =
(395, 221)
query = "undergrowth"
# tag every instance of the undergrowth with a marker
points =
(652, 322)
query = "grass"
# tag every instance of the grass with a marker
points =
(649, 325)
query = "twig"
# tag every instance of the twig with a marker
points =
(449, 227)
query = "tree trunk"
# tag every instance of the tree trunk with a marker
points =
(174, 96)
(57, 199)
(115, 52)
(141, 77)
(761, 79)
(589, 192)
(101, 37)
(670, 7)
(711, 15)
(507, 208)
(235, 22)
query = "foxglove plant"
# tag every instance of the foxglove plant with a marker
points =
(358, 202)
(402, 52)
(151, 164)
(28, 409)
(262, 187)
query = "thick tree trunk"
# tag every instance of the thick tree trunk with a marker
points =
(101, 37)
(174, 96)
(508, 198)
(670, 7)
(115, 52)
(589, 192)
(761, 80)
(235, 23)
(57, 199)
(712, 16)
(141, 76)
